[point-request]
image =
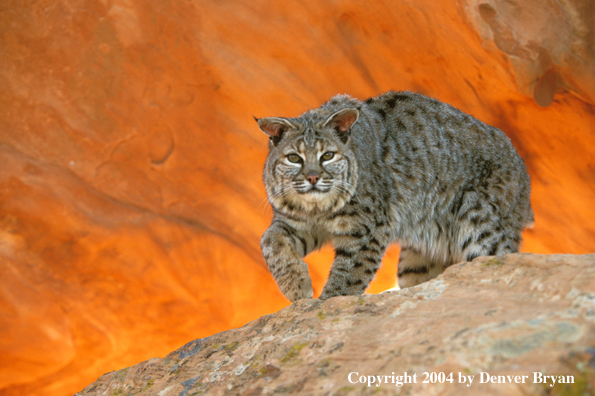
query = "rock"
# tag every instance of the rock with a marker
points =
(131, 199)
(508, 316)
(546, 43)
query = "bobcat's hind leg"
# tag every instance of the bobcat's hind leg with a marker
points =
(490, 244)
(416, 268)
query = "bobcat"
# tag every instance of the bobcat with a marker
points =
(400, 167)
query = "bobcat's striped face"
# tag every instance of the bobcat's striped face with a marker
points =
(310, 166)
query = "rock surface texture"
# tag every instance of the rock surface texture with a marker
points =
(507, 316)
(546, 42)
(131, 199)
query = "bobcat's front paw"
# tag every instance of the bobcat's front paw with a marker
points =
(328, 294)
(298, 289)
(332, 290)
(338, 284)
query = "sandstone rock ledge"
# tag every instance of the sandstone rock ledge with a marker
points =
(512, 315)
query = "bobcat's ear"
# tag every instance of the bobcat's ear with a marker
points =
(275, 127)
(342, 121)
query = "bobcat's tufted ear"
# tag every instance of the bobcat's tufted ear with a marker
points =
(274, 127)
(342, 121)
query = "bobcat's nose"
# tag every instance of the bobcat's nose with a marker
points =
(313, 177)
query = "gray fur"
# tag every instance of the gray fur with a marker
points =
(406, 168)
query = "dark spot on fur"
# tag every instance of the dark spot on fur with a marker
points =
(371, 261)
(493, 250)
(368, 231)
(477, 220)
(385, 152)
(336, 214)
(472, 256)
(401, 97)
(466, 243)
(339, 252)
(285, 228)
(367, 248)
(391, 102)
(483, 236)
(415, 270)
(476, 208)
(303, 242)
(357, 234)
(382, 113)
(457, 203)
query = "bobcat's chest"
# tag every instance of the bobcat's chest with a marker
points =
(342, 224)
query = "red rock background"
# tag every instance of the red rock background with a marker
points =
(131, 201)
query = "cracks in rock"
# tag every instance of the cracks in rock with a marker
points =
(112, 151)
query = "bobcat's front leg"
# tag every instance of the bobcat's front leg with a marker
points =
(280, 246)
(357, 258)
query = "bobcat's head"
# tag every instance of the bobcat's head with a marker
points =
(310, 166)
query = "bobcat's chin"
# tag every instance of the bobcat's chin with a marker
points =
(314, 196)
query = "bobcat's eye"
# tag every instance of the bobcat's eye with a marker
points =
(294, 158)
(328, 155)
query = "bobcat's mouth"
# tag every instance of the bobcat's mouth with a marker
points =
(313, 193)
(313, 189)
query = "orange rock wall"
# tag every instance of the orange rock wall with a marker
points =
(131, 201)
